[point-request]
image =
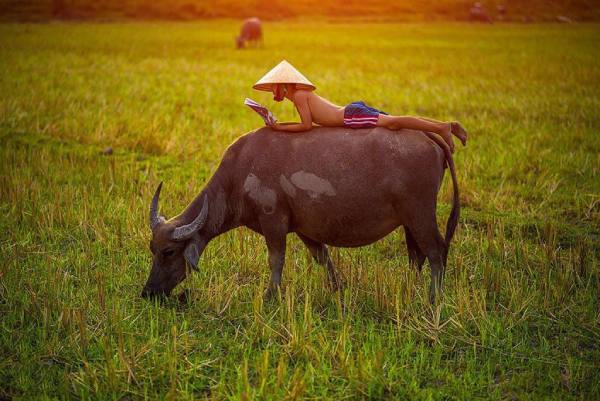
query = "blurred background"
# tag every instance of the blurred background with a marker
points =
(374, 10)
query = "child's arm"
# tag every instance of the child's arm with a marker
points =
(301, 102)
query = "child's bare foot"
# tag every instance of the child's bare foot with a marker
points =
(459, 132)
(446, 134)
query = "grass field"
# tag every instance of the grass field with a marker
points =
(520, 316)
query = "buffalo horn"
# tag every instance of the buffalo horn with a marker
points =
(155, 219)
(186, 231)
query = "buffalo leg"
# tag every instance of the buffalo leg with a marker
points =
(416, 258)
(321, 255)
(428, 238)
(275, 231)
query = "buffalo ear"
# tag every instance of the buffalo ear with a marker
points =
(192, 255)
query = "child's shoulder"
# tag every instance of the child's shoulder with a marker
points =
(300, 94)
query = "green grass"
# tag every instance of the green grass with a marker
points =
(519, 319)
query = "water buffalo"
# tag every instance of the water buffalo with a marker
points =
(330, 186)
(478, 14)
(251, 32)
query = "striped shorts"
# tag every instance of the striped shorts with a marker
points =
(359, 115)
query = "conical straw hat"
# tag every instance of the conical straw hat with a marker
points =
(283, 73)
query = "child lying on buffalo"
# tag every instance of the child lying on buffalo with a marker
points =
(287, 82)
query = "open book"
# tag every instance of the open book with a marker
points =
(261, 110)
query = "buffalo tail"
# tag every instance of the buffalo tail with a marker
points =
(455, 212)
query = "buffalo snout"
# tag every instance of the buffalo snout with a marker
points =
(147, 292)
(150, 293)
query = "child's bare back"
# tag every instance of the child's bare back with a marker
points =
(323, 112)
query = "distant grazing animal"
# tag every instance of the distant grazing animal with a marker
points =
(330, 186)
(501, 10)
(251, 32)
(478, 14)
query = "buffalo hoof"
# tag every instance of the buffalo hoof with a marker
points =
(435, 295)
(336, 280)
(184, 297)
(336, 285)
(273, 292)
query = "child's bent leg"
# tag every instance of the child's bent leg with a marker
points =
(432, 120)
(399, 122)
(457, 129)
(407, 122)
